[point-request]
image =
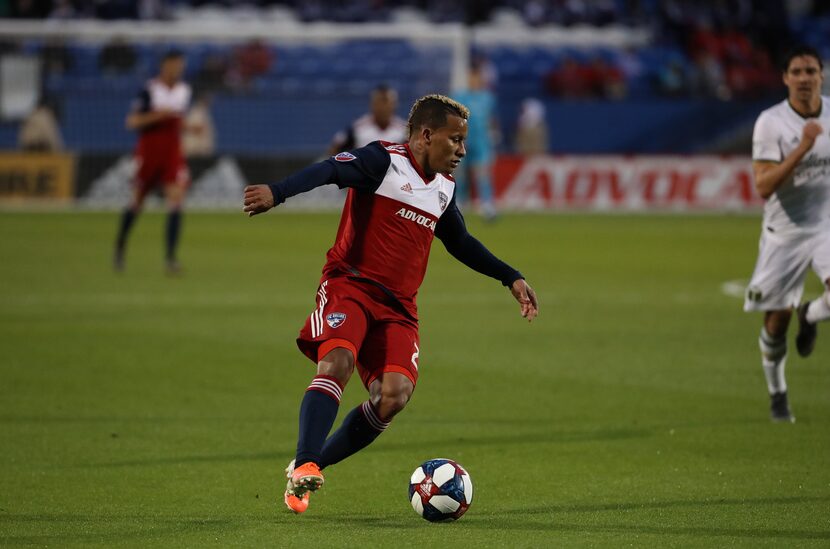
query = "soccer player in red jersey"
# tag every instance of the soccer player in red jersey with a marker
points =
(157, 115)
(399, 198)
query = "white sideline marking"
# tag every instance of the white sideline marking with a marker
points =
(734, 288)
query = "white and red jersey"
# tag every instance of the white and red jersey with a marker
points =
(365, 130)
(164, 137)
(391, 215)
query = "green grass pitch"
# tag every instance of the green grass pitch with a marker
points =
(139, 410)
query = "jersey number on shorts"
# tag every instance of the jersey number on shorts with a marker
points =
(415, 356)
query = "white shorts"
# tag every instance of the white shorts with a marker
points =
(778, 280)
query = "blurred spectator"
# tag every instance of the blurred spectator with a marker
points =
(488, 70)
(571, 80)
(40, 132)
(630, 64)
(311, 10)
(151, 9)
(597, 79)
(199, 133)
(440, 11)
(117, 57)
(212, 74)
(754, 79)
(708, 79)
(535, 12)
(30, 9)
(531, 128)
(55, 57)
(116, 9)
(63, 10)
(671, 79)
(249, 61)
(607, 79)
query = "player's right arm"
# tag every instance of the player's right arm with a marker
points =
(769, 170)
(142, 116)
(362, 169)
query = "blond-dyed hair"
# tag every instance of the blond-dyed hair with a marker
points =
(432, 110)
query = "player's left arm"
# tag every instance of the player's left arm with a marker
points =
(452, 231)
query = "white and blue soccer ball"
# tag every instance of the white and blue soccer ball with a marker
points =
(440, 490)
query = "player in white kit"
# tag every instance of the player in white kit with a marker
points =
(379, 124)
(791, 164)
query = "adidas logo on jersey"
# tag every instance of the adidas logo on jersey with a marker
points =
(407, 188)
(417, 218)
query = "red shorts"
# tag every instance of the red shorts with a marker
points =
(155, 170)
(362, 318)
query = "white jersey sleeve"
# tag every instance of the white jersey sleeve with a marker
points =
(766, 140)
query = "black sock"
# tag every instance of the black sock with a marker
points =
(317, 414)
(174, 223)
(360, 428)
(127, 219)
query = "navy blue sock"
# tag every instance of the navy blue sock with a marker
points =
(360, 428)
(174, 223)
(317, 414)
(127, 218)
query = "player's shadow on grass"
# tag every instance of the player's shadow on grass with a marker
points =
(534, 437)
(530, 437)
(384, 523)
(596, 507)
(555, 513)
(181, 460)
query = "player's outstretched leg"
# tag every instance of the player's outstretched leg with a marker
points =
(809, 314)
(388, 396)
(171, 236)
(773, 360)
(484, 188)
(128, 217)
(174, 193)
(359, 429)
(318, 411)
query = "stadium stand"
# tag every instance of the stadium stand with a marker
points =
(640, 76)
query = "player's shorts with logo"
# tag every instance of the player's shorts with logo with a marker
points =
(155, 170)
(360, 317)
(783, 262)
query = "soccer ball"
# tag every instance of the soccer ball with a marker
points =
(440, 490)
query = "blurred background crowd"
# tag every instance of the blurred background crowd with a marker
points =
(703, 66)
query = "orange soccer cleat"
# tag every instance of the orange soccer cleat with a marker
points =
(307, 477)
(301, 482)
(297, 504)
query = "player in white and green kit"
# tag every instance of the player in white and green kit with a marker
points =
(791, 164)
